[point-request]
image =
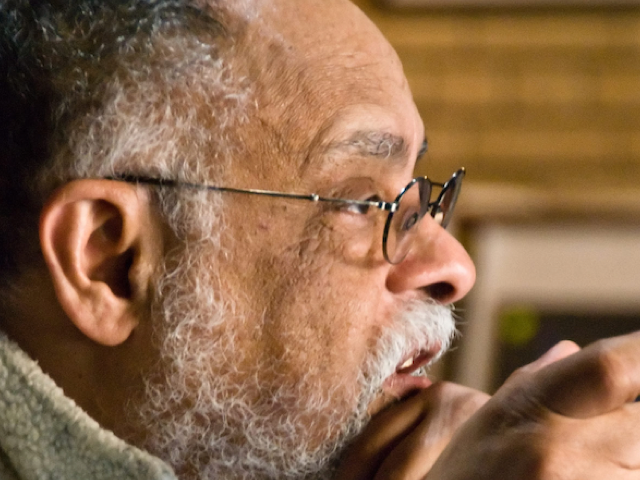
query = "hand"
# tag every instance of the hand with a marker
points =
(403, 441)
(570, 420)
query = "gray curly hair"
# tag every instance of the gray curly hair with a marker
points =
(91, 88)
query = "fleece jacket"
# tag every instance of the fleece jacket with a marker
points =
(44, 435)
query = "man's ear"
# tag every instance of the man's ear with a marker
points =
(100, 245)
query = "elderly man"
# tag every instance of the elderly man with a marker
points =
(148, 289)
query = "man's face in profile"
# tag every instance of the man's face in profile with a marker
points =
(279, 341)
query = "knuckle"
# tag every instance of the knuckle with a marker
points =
(609, 367)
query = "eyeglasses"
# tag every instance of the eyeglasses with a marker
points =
(405, 212)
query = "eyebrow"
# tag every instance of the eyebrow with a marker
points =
(370, 143)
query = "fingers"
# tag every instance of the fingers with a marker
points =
(380, 436)
(567, 415)
(600, 378)
(407, 437)
(528, 446)
(558, 352)
(413, 457)
(604, 447)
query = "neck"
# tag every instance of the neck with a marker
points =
(33, 318)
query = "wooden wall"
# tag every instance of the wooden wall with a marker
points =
(549, 99)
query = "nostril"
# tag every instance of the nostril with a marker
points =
(441, 291)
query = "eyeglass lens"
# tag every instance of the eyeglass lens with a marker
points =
(413, 204)
(443, 206)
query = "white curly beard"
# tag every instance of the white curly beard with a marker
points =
(211, 421)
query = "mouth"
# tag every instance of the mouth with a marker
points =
(415, 361)
(405, 379)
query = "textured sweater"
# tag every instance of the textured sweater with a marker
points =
(45, 435)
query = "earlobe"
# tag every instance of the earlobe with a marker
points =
(99, 249)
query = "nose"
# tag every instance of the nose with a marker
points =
(436, 264)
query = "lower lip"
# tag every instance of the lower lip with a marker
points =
(400, 385)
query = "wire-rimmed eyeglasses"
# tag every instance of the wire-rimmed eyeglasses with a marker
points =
(404, 213)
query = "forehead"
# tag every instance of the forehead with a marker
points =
(326, 82)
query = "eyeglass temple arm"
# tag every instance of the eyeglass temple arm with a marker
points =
(313, 197)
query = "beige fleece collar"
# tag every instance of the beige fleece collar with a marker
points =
(44, 434)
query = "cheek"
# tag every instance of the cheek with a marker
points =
(353, 241)
(322, 318)
(317, 300)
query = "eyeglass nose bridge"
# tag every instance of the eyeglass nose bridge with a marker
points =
(448, 196)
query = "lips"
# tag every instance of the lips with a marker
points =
(403, 381)
(416, 360)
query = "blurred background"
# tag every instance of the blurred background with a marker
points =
(540, 101)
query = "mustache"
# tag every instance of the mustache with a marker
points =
(419, 325)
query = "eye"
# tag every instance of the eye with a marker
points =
(410, 221)
(406, 219)
(361, 209)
